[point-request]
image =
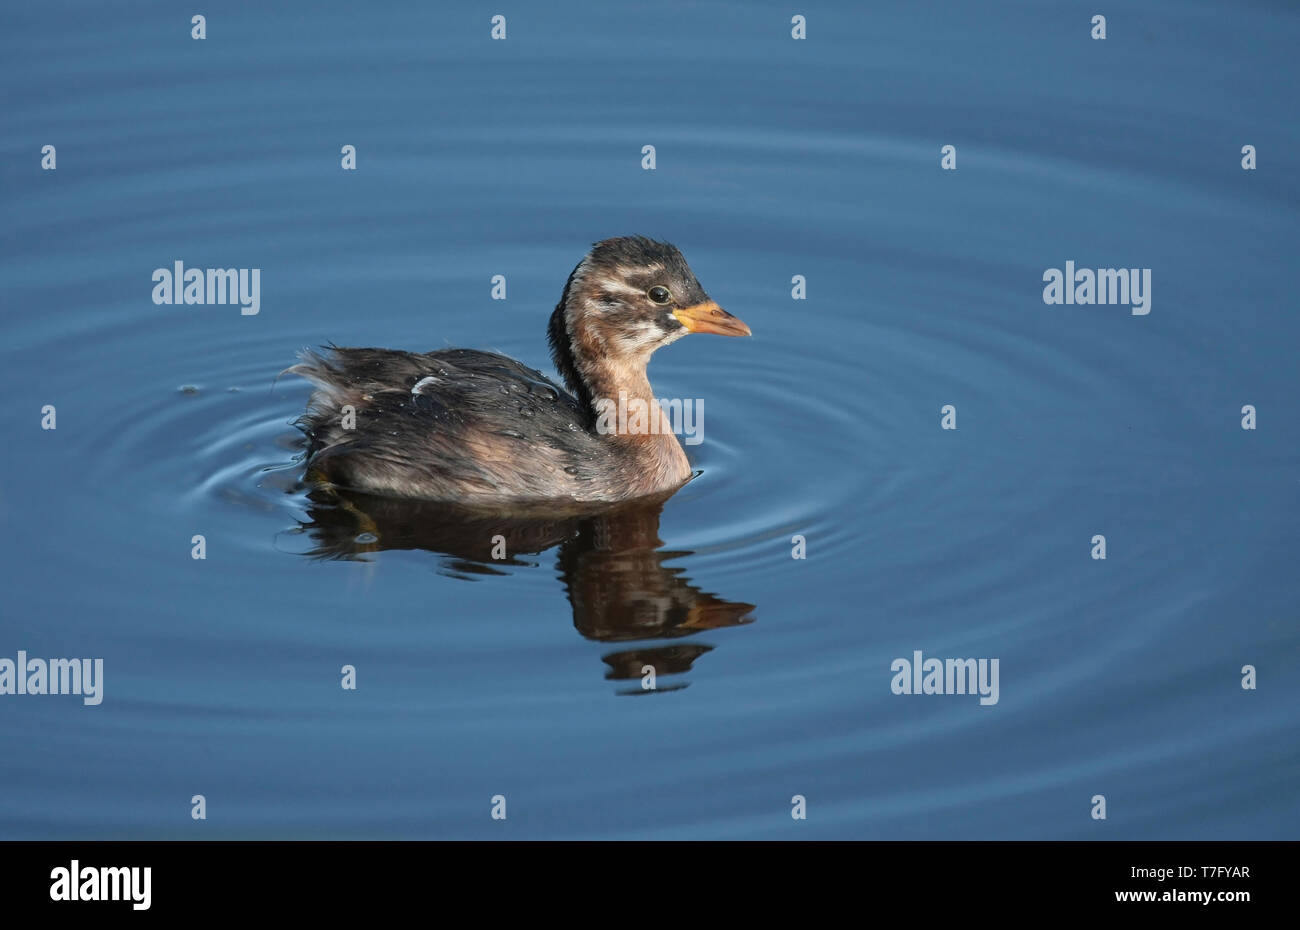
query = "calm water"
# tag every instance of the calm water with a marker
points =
(775, 157)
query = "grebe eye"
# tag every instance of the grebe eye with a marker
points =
(659, 294)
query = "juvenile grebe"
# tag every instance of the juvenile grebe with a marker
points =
(480, 428)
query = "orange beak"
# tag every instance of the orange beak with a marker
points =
(708, 317)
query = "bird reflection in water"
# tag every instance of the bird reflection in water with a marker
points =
(609, 561)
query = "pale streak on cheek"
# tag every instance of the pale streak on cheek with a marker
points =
(646, 336)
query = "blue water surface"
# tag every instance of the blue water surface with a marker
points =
(775, 157)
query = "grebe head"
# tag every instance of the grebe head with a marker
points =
(627, 298)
